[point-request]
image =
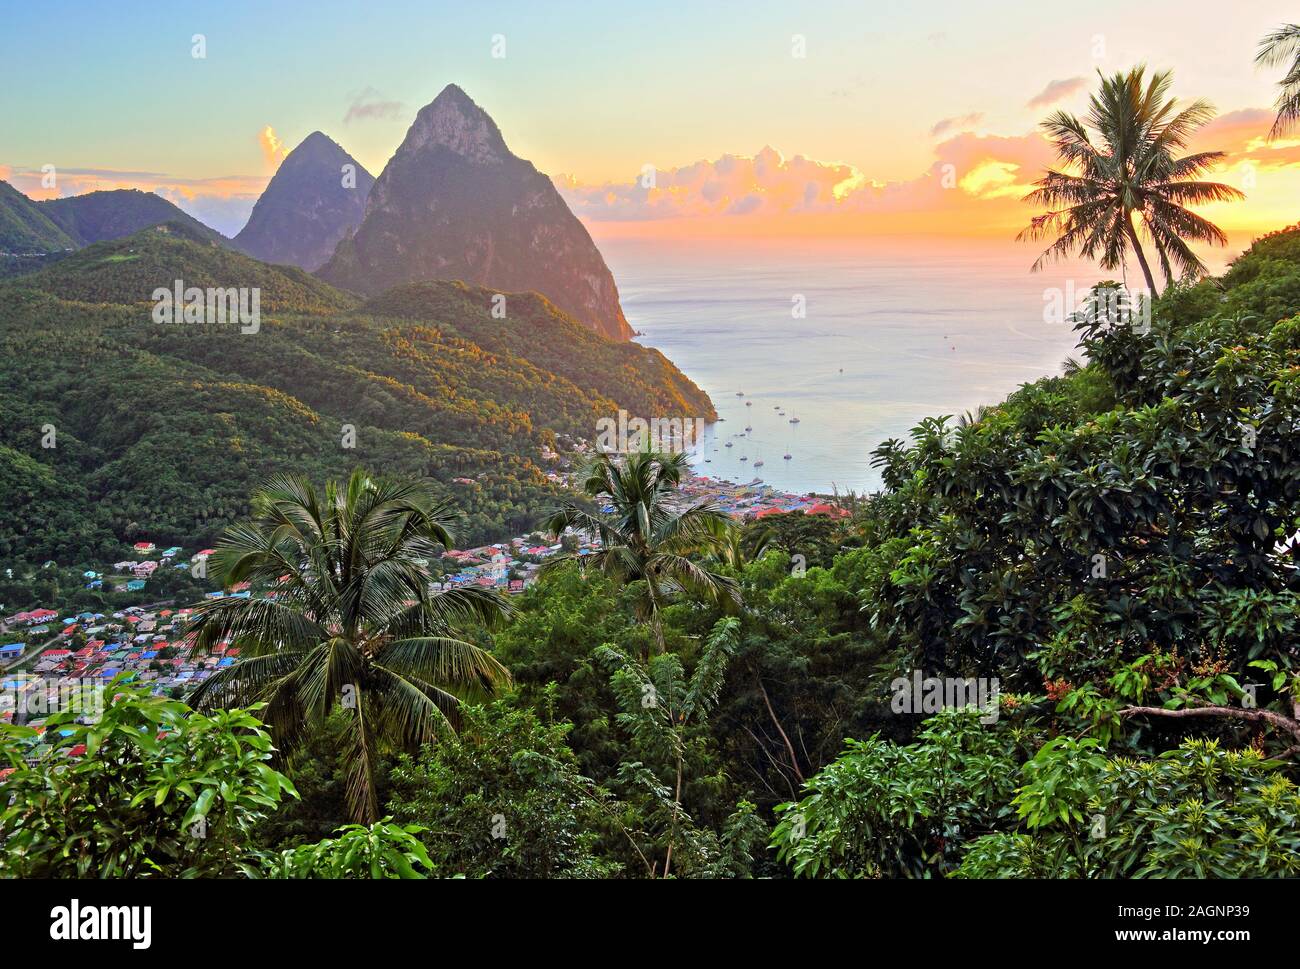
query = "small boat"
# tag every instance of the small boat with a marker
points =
(749, 403)
(758, 463)
(794, 420)
(740, 393)
(744, 458)
(729, 444)
(776, 407)
(708, 460)
(748, 429)
(787, 457)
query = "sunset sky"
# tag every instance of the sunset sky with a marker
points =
(745, 137)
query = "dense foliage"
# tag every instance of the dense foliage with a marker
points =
(1114, 547)
(163, 431)
(150, 789)
(964, 801)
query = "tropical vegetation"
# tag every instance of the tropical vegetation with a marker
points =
(348, 620)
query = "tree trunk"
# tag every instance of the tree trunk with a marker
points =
(677, 806)
(1141, 256)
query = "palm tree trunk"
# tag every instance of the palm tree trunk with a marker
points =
(656, 621)
(363, 803)
(1141, 256)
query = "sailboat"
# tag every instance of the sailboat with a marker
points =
(794, 420)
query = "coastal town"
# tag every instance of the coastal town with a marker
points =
(50, 656)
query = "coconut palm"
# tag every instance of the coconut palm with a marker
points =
(649, 534)
(736, 547)
(1282, 46)
(1121, 164)
(349, 620)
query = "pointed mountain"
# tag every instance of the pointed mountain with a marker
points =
(455, 203)
(313, 201)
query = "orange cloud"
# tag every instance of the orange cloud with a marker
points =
(1057, 91)
(273, 149)
(734, 185)
(948, 125)
(972, 188)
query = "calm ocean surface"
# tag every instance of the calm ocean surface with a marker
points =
(891, 335)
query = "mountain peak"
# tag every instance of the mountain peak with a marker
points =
(317, 148)
(455, 203)
(317, 141)
(312, 202)
(453, 121)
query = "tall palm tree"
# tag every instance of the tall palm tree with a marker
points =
(649, 534)
(1120, 164)
(349, 620)
(1279, 47)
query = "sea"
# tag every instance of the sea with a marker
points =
(823, 349)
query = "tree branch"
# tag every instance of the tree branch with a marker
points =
(1278, 720)
(789, 747)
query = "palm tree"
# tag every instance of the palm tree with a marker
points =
(648, 535)
(1279, 47)
(973, 418)
(1122, 163)
(736, 547)
(350, 620)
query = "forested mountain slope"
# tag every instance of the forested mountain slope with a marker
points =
(163, 430)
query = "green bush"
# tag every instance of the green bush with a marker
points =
(160, 790)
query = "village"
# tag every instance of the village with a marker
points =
(49, 659)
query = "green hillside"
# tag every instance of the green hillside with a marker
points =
(534, 328)
(25, 229)
(164, 430)
(129, 270)
(97, 216)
